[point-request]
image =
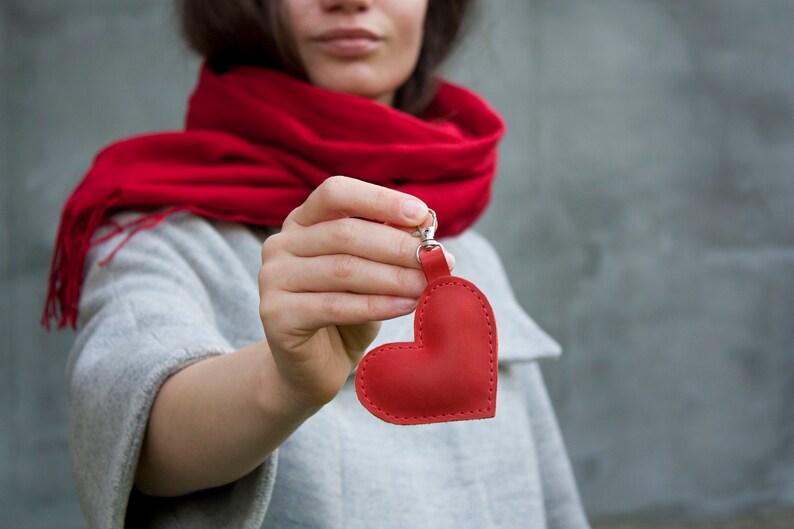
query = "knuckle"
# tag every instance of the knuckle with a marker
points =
(265, 278)
(403, 277)
(289, 220)
(384, 201)
(332, 306)
(262, 277)
(275, 313)
(266, 269)
(273, 321)
(270, 246)
(344, 266)
(407, 248)
(333, 194)
(267, 311)
(264, 311)
(333, 187)
(373, 304)
(343, 231)
(409, 278)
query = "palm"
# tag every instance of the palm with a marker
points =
(345, 344)
(333, 351)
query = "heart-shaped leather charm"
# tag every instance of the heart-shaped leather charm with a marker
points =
(449, 373)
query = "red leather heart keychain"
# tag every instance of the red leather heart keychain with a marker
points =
(449, 371)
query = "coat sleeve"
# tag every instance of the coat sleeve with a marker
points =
(561, 497)
(144, 316)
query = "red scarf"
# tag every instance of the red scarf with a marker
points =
(257, 142)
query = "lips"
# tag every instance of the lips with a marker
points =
(348, 42)
(348, 33)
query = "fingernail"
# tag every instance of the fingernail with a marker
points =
(405, 303)
(414, 210)
(450, 259)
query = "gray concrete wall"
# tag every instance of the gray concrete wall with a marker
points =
(643, 210)
(6, 431)
(646, 217)
(80, 74)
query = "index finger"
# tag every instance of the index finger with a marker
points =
(341, 196)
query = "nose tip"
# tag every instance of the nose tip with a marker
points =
(347, 6)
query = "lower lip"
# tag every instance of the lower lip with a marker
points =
(349, 47)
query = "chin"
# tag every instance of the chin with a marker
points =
(371, 86)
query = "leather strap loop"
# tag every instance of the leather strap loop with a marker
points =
(434, 263)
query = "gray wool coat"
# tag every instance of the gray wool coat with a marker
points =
(187, 290)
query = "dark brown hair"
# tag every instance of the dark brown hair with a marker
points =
(255, 32)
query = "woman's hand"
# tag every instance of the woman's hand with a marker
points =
(330, 277)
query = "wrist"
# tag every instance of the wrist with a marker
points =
(276, 398)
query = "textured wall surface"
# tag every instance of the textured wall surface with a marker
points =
(646, 217)
(6, 375)
(81, 74)
(643, 211)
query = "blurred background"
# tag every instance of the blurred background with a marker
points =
(644, 211)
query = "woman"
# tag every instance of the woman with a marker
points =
(190, 407)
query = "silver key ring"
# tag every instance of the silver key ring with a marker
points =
(427, 235)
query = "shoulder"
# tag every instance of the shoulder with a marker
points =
(139, 252)
(201, 269)
(182, 235)
(176, 226)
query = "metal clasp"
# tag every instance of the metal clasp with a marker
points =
(428, 236)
